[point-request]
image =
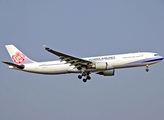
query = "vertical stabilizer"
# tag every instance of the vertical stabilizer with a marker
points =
(17, 56)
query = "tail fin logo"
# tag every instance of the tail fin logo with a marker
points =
(18, 57)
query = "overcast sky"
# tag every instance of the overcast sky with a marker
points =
(82, 28)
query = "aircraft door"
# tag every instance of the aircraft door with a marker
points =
(36, 66)
(117, 58)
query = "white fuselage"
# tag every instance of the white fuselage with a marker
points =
(113, 62)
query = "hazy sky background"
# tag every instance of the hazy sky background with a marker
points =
(82, 28)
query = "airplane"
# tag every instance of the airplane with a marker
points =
(102, 65)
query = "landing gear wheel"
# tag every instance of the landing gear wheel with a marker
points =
(88, 73)
(84, 80)
(88, 77)
(79, 76)
(147, 70)
(83, 74)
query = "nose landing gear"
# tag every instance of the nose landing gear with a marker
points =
(147, 68)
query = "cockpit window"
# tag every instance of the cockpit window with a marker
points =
(156, 55)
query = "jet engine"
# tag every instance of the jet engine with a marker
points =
(101, 65)
(107, 73)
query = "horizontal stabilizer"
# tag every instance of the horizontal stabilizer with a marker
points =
(14, 65)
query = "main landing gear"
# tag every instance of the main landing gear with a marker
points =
(87, 77)
(147, 68)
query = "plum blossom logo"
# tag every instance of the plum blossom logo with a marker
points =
(18, 57)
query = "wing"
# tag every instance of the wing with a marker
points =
(77, 62)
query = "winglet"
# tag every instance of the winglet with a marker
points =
(45, 47)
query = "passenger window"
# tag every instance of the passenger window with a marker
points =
(156, 55)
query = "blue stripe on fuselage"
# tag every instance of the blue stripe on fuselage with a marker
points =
(156, 58)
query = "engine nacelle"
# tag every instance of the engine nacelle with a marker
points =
(101, 65)
(107, 73)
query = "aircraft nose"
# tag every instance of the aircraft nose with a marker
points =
(160, 57)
